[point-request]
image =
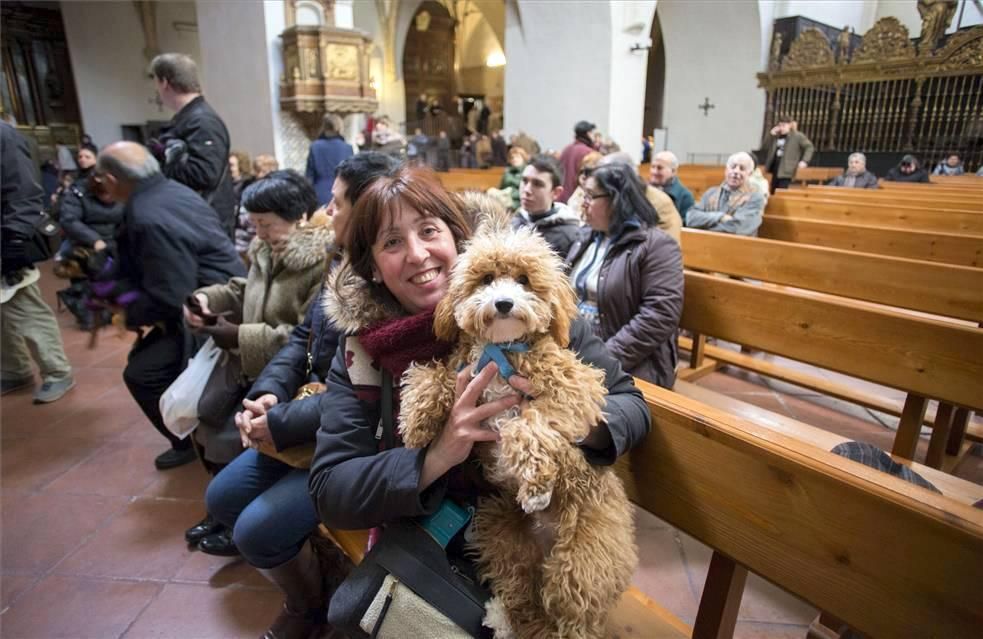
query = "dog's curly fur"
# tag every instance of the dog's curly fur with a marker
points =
(557, 544)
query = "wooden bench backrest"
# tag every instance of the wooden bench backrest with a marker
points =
(967, 201)
(948, 248)
(872, 214)
(930, 287)
(817, 174)
(934, 359)
(889, 558)
(471, 179)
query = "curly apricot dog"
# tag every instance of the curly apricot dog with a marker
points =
(557, 544)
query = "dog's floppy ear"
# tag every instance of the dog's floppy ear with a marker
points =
(563, 304)
(444, 324)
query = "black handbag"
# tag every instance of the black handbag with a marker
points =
(407, 585)
(47, 232)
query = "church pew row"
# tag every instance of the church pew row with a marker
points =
(915, 218)
(471, 179)
(969, 201)
(816, 174)
(886, 557)
(925, 358)
(936, 181)
(939, 289)
(948, 248)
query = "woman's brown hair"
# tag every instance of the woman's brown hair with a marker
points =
(414, 187)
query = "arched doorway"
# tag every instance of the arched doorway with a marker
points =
(428, 64)
(655, 80)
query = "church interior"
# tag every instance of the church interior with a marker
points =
(849, 318)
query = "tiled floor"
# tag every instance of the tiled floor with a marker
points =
(92, 540)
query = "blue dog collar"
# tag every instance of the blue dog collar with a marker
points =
(496, 353)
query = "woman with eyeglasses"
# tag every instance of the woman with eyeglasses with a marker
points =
(587, 166)
(628, 275)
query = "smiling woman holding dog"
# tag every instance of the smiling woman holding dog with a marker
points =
(628, 275)
(405, 237)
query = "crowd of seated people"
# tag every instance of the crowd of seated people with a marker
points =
(337, 302)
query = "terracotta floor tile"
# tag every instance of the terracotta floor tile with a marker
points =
(89, 386)
(206, 613)
(41, 529)
(220, 572)
(185, 482)
(11, 586)
(77, 608)
(145, 541)
(747, 630)
(32, 463)
(661, 574)
(763, 602)
(119, 468)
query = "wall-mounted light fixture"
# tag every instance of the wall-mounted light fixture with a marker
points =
(638, 46)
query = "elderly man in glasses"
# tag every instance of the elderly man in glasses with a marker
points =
(662, 175)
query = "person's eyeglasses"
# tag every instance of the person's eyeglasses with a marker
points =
(590, 197)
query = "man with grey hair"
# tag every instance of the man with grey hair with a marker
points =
(733, 207)
(669, 219)
(856, 176)
(172, 244)
(324, 156)
(662, 175)
(194, 147)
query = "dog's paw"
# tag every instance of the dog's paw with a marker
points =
(497, 619)
(536, 502)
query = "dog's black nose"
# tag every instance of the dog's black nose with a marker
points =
(503, 306)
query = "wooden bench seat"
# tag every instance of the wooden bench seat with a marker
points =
(471, 179)
(931, 246)
(790, 204)
(923, 357)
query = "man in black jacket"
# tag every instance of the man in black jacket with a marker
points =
(27, 321)
(194, 148)
(170, 245)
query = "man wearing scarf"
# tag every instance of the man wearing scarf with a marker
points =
(734, 206)
(572, 155)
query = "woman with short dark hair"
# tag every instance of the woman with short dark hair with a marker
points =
(251, 318)
(628, 275)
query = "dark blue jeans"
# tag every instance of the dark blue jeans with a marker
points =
(266, 504)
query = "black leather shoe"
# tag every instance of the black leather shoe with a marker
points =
(220, 544)
(207, 526)
(174, 458)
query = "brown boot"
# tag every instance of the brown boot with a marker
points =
(304, 613)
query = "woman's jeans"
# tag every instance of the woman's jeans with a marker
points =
(266, 504)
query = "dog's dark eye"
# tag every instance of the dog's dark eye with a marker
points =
(523, 280)
(488, 279)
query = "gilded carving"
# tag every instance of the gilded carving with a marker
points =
(936, 16)
(312, 64)
(810, 49)
(887, 40)
(963, 50)
(342, 62)
(774, 62)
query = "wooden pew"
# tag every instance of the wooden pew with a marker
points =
(968, 201)
(808, 521)
(816, 174)
(940, 289)
(471, 179)
(925, 358)
(790, 204)
(949, 248)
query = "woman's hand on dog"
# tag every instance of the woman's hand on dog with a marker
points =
(463, 428)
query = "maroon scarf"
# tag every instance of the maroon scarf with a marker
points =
(396, 343)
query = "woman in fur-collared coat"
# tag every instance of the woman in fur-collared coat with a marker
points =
(251, 318)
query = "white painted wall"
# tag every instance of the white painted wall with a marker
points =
(631, 23)
(700, 63)
(559, 68)
(390, 90)
(275, 22)
(233, 68)
(106, 44)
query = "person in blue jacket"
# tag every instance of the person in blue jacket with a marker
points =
(326, 153)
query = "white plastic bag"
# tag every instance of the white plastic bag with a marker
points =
(179, 403)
